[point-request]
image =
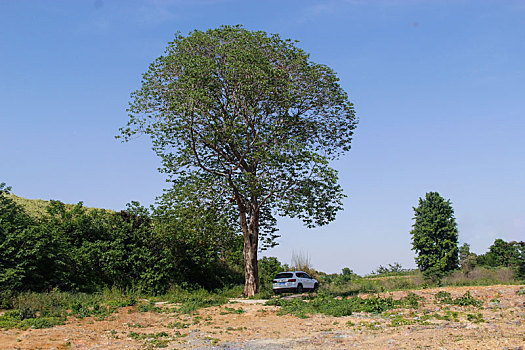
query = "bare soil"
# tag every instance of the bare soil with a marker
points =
(249, 324)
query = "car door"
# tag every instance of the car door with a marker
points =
(306, 281)
(309, 282)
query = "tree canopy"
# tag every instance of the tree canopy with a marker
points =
(248, 119)
(435, 236)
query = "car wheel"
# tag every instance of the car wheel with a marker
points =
(299, 288)
(316, 287)
(276, 292)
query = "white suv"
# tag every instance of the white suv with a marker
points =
(294, 281)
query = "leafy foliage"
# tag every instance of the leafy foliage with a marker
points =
(250, 121)
(435, 236)
(391, 269)
(75, 249)
(268, 268)
(505, 254)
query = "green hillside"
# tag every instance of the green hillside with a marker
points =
(37, 207)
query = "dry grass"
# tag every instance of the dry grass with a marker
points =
(481, 276)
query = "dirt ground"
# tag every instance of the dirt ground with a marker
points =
(248, 324)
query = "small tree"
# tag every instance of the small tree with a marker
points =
(435, 236)
(251, 119)
(467, 259)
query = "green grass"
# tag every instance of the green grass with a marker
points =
(44, 310)
(37, 208)
(410, 280)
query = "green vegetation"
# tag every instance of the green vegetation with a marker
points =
(42, 310)
(268, 268)
(466, 299)
(504, 254)
(72, 261)
(37, 208)
(74, 249)
(328, 305)
(152, 340)
(192, 300)
(435, 237)
(248, 121)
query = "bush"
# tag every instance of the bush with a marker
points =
(268, 268)
(79, 250)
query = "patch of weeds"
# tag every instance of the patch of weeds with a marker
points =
(149, 307)
(444, 317)
(442, 297)
(371, 325)
(454, 315)
(411, 300)
(466, 299)
(265, 294)
(136, 325)
(196, 320)
(213, 341)
(91, 308)
(192, 300)
(178, 324)
(157, 343)
(328, 305)
(231, 310)
(399, 320)
(520, 292)
(113, 334)
(475, 318)
(16, 319)
(350, 323)
(236, 329)
(141, 336)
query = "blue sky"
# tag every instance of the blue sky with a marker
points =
(439, 88)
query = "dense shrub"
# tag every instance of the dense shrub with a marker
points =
(268, 268)
(75, 249)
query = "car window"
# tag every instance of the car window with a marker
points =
(301, 275)
(305, 275)
(284, 275)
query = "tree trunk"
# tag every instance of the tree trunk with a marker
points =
(251, 239)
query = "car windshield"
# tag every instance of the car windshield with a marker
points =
(284, 275)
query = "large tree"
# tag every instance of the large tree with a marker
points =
(435, 236)
(249, 118)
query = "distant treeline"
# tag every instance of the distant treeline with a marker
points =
(149, 250)
(500, 254)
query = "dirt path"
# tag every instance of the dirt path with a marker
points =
(498, 324)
